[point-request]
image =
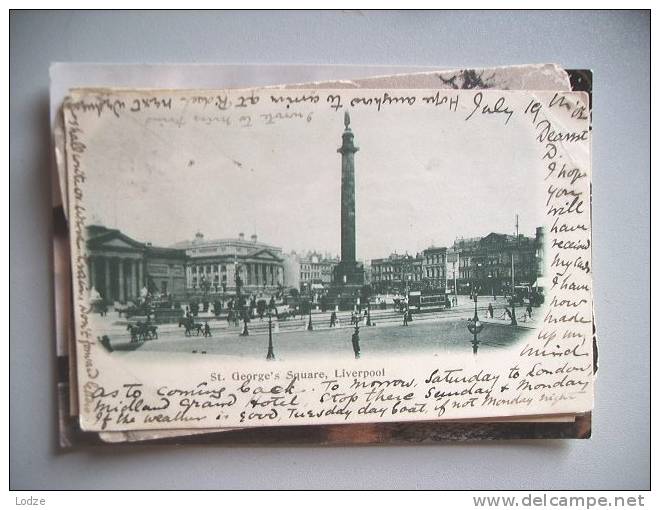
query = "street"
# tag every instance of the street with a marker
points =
(429, 332)
(429, 336)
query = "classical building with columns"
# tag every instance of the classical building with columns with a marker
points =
(212, 265)
(119, 267)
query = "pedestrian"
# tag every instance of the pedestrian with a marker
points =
(105, 342)
(529, 310)
(405, 318)
(207, 329)
(355, 340)
(490, 310)
(333, 320)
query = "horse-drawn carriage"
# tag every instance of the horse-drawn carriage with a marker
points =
(142, 331)
(191, 327)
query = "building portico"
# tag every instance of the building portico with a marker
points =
(115, 264)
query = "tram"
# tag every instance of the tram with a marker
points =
(427, 301)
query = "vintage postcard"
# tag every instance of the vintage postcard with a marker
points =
(251, 258)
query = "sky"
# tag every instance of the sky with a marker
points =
(423, 176)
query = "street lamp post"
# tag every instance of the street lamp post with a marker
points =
(478, 280)
(408, 298)
(475, 326)
(271, 355)
(455, 286)
(309, 323)
(514, 322)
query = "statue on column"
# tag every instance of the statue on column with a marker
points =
(96, 301)
(144, 292)
(94, 295)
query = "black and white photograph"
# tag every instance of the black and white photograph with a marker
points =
(329, 249)
(412, 286)
(326, 238)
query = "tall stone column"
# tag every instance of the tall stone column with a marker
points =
(107, 284)
(135, 289)
(129, 281)
(120, 277)
(92, 272)
(140, 276)
(136, 282)
(347, 151)
(348, 271)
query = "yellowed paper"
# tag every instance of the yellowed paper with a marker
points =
(524, 77)
(464, 160)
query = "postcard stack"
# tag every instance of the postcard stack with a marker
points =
(390, 258)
